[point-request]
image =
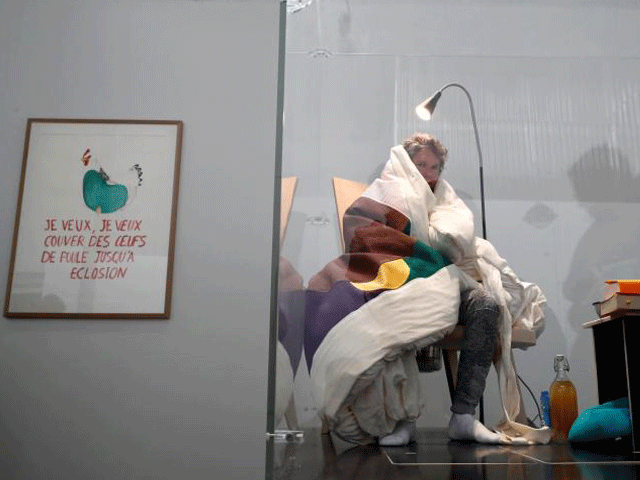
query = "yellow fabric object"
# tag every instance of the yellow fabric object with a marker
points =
(391, 275)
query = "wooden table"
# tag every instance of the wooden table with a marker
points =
(616, 339)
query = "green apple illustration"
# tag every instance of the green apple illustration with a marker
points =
(101, 197)
(103, 194)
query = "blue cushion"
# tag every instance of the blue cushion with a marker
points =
(607, 421)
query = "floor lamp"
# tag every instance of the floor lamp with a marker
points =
(425, 112)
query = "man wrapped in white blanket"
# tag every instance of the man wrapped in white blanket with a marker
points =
(411, 184)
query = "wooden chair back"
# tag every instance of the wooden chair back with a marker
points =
(288, 190)
(345, 193)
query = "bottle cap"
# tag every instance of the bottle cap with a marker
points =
(560, 362)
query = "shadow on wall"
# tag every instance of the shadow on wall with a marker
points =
(605, 185)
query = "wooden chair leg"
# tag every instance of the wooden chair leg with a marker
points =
(329, 454)
(451, 369)
(291, 415)
(325, 427)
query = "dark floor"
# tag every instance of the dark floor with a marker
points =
(433, 456)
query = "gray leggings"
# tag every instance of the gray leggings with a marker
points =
(479, 314)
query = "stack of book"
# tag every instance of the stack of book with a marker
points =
(620, 296)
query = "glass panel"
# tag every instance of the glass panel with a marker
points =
(558, 111)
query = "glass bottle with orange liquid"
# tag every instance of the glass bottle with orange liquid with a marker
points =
(563, 399)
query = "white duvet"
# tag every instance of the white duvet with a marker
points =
(364, 374)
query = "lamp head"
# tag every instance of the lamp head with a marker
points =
(426, 108)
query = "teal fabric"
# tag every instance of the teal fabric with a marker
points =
(607, 421)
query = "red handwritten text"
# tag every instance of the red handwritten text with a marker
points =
(98, 273)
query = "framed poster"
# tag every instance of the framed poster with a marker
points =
(95, 225)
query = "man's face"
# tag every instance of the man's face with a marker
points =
(428, 165)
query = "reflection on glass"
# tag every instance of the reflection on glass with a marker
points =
(294, 6)
(562, 160)
(290, 321)
(290, 334)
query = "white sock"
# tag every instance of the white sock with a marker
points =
(401, 435)
(464, 426)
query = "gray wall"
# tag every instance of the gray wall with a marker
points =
(183, 398)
